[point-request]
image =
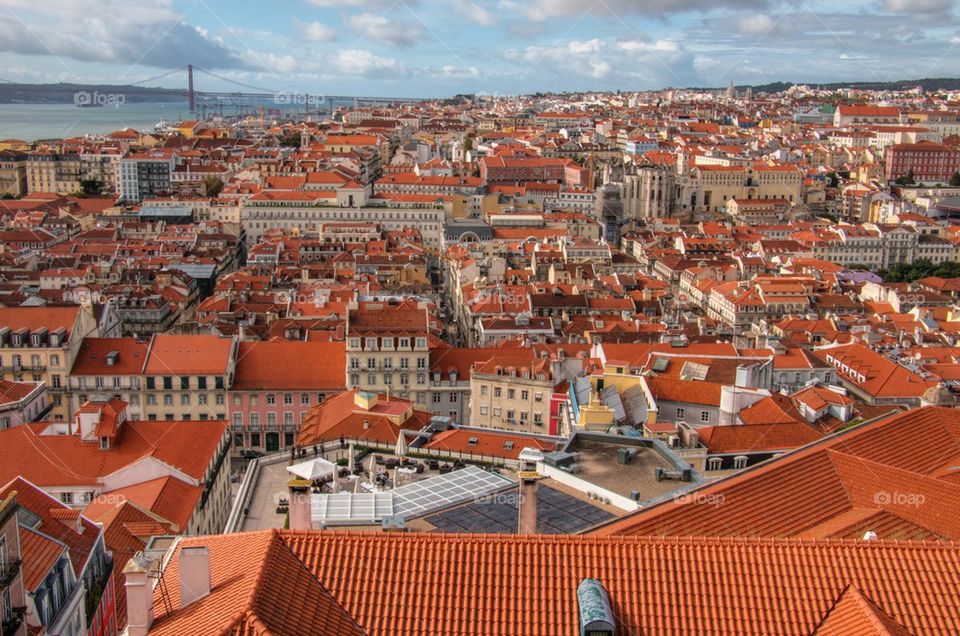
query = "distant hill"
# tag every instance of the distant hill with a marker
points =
(930, 84)
(64, 93)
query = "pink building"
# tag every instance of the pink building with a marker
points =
(274, 386)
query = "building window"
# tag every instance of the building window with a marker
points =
(483, 389)
(185, 383)
(704, 416)
(288, 398)
(680, 413)
(202, 382)
(271, 399)
(304, 398)
(168, 383)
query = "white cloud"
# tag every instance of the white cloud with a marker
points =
(757, 24)
(380, 28)
(540, 10)
(315, 31)
(919, 7)
(366, 64)
(475, 13)
(117, 32)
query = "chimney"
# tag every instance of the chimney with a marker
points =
(139, 595)
(194, 574)
(299, 506)
(528, 502)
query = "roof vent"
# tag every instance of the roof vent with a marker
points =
(596, 615)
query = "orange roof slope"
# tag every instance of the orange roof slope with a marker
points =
(425, 584)
(895, 477)
(64, 460)
(318, 366)
(188, 355)
(854, 613)
(258, 586)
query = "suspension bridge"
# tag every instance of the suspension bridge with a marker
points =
(244, 91)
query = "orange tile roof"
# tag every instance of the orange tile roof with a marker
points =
(490, 444)
(258, 586)
(39, 554)
(888, 465)
(57, 521)
(319, 366)
(188, 355)
(743, 438)
(854, 613)
(339, 416)
(168, 497)
(33, 318)
(92, 356)
(11, 391)
(425, 584)
(65, 460)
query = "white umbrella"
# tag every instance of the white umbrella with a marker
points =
(401, 449)
(312, 469)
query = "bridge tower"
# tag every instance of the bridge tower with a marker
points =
(191, 98)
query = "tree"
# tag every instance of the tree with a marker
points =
(292, 139)
(955, 180)
(212, 185)
(907, 179)
(91, 187)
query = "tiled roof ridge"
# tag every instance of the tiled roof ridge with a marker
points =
(692, 540)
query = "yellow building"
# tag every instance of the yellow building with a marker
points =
(39, 344)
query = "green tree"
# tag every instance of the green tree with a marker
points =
(91, 187)
(955, 180)
(212, 185)
(907, 179)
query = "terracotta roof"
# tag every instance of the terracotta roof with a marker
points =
(743, 438)
(340, 416)
(39, 554)
(57, 521)
(420, 584)
(33, 318)
(65, 460)
(484, 443)
(854, 613)
(189, 355)
(903, 465)
(258, 586)
(15, 391)
(92, 356)
(318, 366)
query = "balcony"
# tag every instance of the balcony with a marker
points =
(10, 573)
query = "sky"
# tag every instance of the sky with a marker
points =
(435, 48)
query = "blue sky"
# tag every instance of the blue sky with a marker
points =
(438, 48)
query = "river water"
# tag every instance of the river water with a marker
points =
(30, 122)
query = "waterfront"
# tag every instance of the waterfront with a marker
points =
(30, 122)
